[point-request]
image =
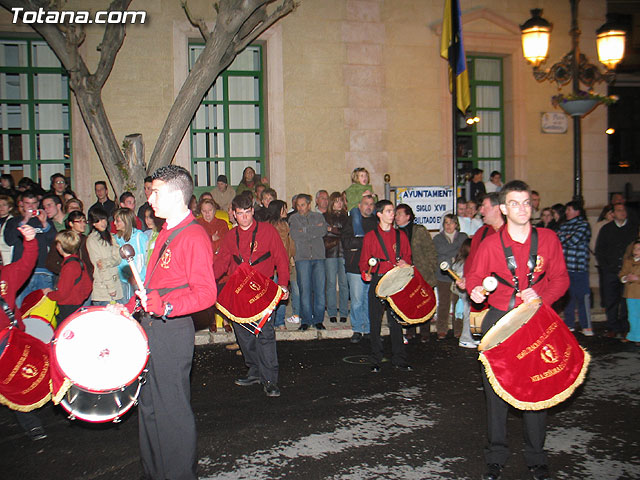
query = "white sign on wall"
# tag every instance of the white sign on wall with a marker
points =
(429, 204)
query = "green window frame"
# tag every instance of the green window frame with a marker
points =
(227, 132)
(35, 111)
(480, 144)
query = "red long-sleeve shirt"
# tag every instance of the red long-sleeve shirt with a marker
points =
(186, 261)
(69, 292)
(13, 276)
(267, 240)
(490, 258)
(371, 248)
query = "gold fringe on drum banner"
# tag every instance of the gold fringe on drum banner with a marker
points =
(256, 317)
(410, 321)
(62, 390)
(541, 405)
(23, 408)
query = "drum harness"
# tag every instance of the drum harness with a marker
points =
(164, 291)
(238, 258)
(512, 266)
(384, 248)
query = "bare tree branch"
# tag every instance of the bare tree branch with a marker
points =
(284, 9)
(111, 43)
(199, 23)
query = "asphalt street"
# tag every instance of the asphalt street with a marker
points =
(337, 420)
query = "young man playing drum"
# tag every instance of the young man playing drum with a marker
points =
(529, 266)
(390, 247)
(259, 245)
(179, 281)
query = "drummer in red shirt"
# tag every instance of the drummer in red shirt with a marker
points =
(539, 272)
(391, 248)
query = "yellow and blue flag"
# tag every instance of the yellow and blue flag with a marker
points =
(452, 49)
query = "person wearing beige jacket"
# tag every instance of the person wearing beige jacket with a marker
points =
(630, 277)
(105, 256)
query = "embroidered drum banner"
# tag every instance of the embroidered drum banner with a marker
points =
(24, 371)
(248, 296)
(408, 294)
(531, 358)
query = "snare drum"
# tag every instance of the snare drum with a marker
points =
(38, 327)
(531, 358)
(411, 298)
(37, 304)
(98, 358)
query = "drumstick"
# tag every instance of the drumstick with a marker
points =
(127, 253)
(372, 263)
(489, 284)
(444, 266)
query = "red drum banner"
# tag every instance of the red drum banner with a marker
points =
(24, 371)
(531, 358)
(408, 294)
(248, 296)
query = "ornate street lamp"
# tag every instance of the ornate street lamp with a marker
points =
(574, 67)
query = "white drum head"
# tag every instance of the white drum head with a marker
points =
(508, 325)
(38, 327)
(394, 281)
(99, 350)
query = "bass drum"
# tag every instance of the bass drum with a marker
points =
(98, 361)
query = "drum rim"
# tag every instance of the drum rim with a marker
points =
(103, 419)
(54, 355)
(506, 318)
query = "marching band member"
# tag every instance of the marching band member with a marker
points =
(529, 265)
(259, 245)
(179, 281)
(391, 248)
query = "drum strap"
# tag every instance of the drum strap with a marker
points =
(238, 258)
(512, 266)
(384, 248)
(76, 259)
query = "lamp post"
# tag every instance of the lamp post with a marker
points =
(574, 67)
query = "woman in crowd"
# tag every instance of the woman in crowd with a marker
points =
(76, 222)
(336, 217)
(250, 180)
(8, 185)
(447, 243)
(546, 217)
(215, 227)
(105, 257)
(124, 220)
(558, 216)
(277, 216)
(153, 226)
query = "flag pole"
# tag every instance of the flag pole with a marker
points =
(453, 63)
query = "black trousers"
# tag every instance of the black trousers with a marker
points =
(376, 310)
(614, 305)
(535, 421)
(167, 427)
(259, 351)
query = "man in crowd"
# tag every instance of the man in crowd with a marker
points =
(307, 230)
(469, 223)
(613, 239)
(268, 196)
(575, 235)
(358, 289)
(223, 194)
(179, 282)
(104, 202)
(390, 247)
(148, 181)
(546, 280)
(258, 244)
(52, 205)
(493, 221)
(46, 233)
(535, 207)
(322, 201)
(476, 185)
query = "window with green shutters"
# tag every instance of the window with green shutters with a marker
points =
(480, 144)
(227, 131)
(35, 118)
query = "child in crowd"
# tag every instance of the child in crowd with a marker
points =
(74, 285)
(124, 220)
(630, 276)
(360, 186)
(462, 308)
